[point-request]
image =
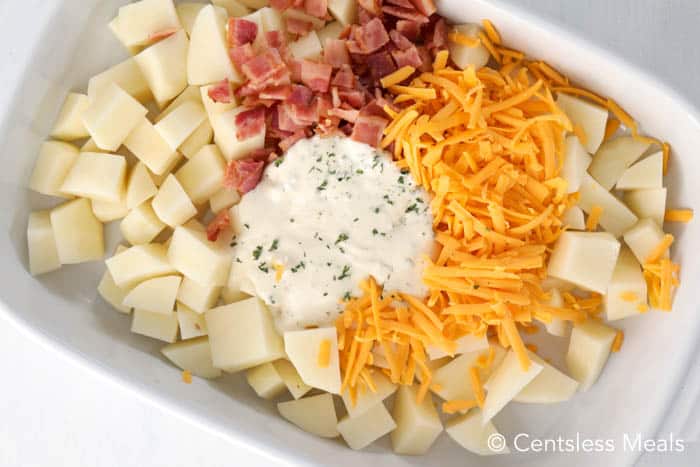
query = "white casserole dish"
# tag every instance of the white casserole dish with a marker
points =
(634, 395)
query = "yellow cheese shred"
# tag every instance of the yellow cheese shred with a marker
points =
(617, 342)
(594, 218)
(678, 215)
(324, 353)
(660, 249)
(397, 76)
(458, 405)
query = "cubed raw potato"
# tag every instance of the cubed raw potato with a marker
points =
(171, 203)
(140, 21)
(368, 399)
(299, 14)
(107, 211)
(647, 203)
(234, 8)
(199, 298)
(265, 381)
(116, 30)
(164, 65)
(588, 352)
(331, 30)
(590, 117)
(315, 415)
(51, 167)
(225, 135)
(255, 4)
(465, 344)
(307, 47)
(212, 107)
(557, 326)
(192, 254)
(150, 148)
(187, 12)
(190, 94)
(203, 135)
(110, 292)
(208, 60)
(463, 55)
(573, 217)
(69, 124)
(417, 425)
(224, 199)
(154, 295)
(361, 431)
(181, 123)
(549, 387)
(127, 75)
(97, 176)
(550, 283)
(192, 355)
(79, 235)
(242, 335)
(643, 238)
(43, 255)
(345, 11)
(507, 380)
(139, 187)
(303, 348)
(627, 289)
(293, 382)
(576, 162)
(451, 381)
(472, 434)
(192, 324)
(155, 325)
(139, 263)
(141, 225)
(616, 218)
(202, 176)
(112, 116)
(645, 174)
(614, 157)
(231, 295)
(571, 259)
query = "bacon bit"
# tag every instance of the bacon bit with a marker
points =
(405, 14)
(298, 26)
(335, 53)
(187, 377)
(160, 35)
(617, 342)
(372, 36)
(281, 5)
(220, 223)
(678, 215)
(241, 55)
(317, 76)
(243, 174)
(427, 7)
(250, 123)
(221, 92)
(344, 78)
(317, 8)
(289, 141)
(410, 29)
(241, 32)
(368, 129)
(345, 114)
(266, 69)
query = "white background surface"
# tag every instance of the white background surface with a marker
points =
(59, 414)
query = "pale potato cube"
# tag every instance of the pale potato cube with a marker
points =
(208, 60)
(298, 14)
(265, 381)
(451, 381)
(645, 174)
(150, 148)
(139, 263)
(192, 355)
(202, 136)
(231, 295)
(234, 8)
(164, 65)
(127, 75)
(576, 163)
(97, 176)
(550, 283)
(614, 157)
(141, 225)
(551, 386)
(192, 324)
(155, 325)
(590, 117)
(140, 21)
(315, 415)
(361, 431)
(140, 186)
(254, 4)
(417, 425)
(465, 344)
(368, 399)
(190, 94)
(187, 12)
(107, 211)
(154, 295)
(171, 203)
(303, 347)
(268, 19)
(202, 176)
(212, 107)
(112, 116)
(627, 290)
(345, 11)
(506, 382)
(463, 55)
(51, 167)
(69, 124)
(224, 199)
(225, 135)
(643, 238)
(79, 235)
(616, 218)
(331, 30)
(116, 30)
(296, 386)
(472, 434)
(588, 352)
(113, 294)
(199, 298)
(242, 335)
(307, 47)
(43, 255)
(192, 254)
(181, 123)
(647, 203)
(557, 326)
(573, 217)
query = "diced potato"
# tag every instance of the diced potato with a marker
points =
(550, 283)
(164, 65)
(472, 434)
(192, 324)
(51, 167)
(452, 381)
(196, 257)
(79, 235)
(97, 176)
(506, 382)
(315, 415)
(242, 335)
(212, 107)
(140, 21)
(181, 123)
(224, 199)
(202, 176)
(296, 386)
(627, 289)
(576, 162)
(549, 387)
(187, 12)
(331, 30)
(141, 225)
(231, 295)
(590, 117)
(265, 381)
(190, 94)
(154, 295)
(417, 425)
(139, 263)
(155, 325)
(571, 262)
(588, 352)
(573, 217)
(345, 11)
(465, 344)
(43, 255)
(107, 211)
(127, 75)
(647, 203)
(613, 158)
(557, 326)
(193, 355)
(645, 174)
(172, 205)
(234, 8)
(116, 30)
(208, 60)
(112, 116)
(616, 218)
(255, 4)
(199, 298)
(139, 187)
(643, 238)
(361, 431)
(225, 135)
(203, 135)
(110, 292)
(150, 148)
(463, 55)
(307, 47)
(303, 347)
(301, 15)
(69, 124)
(268, 19)
(368, 399)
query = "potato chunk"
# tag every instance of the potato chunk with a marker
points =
(590, 117)
(225, 135)
(296, 386)
(139, 263)
(139, 187)
(150, 148)
(265, 381)
(154, 295)
(199, 298)
(303, 349)
(207, 59)
(79, 235)
(192, 254)
(361, 431)
(315, 415)
(98, 176)
(613, 158)
(551, 386)
(127, 76)
(368, 399)
(172, 205)
(647, 203)
(164, 65)
(192, 324)
(589, 348)
(193, 355)
(69, 124)
(51, 168)
(181, 123)
(576, 162)
(464, 55)
(506, 381)
(472, 434)
(345, 11)
(141, 225)
(43, 255)
(155, 325)
(138, 22)
(202, 175)
(643, 238)
(417, 425)
(627, 291)
(616, 218)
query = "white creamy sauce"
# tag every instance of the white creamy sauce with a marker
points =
(329, 214)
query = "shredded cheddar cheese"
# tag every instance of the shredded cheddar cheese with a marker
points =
(187, 377)
(476, 386)
(397, 76)
(324, 353)
(617, 342)
(458, 405)
(594, 218)
(660, 249)
(678, 215)
(629, 296)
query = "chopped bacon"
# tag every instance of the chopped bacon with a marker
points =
(301, 95)
(221, 222)
(372, 6)
(438, 39)
(294, 69)
(372, 36)
(241, 32)
(344, 78)
(405, 13)
(354, 98)
(250, 123)
(349, 115)
(162, 34)
(221, 92)
(427, 7)
(380, 64)
(289, 141)
(402, 3)
(276, 92)
(317, 8)
(266, 69)
(408, 57)
(241, 54)
(368, 129)
(400, 41)
(410, 29)
(281, 5)
(317, 76)
(299, 26)
(285, 122)
(275, 39)
(426, 58)
(324, 103)
(335, 53)
(243, 174)
(364, 16)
